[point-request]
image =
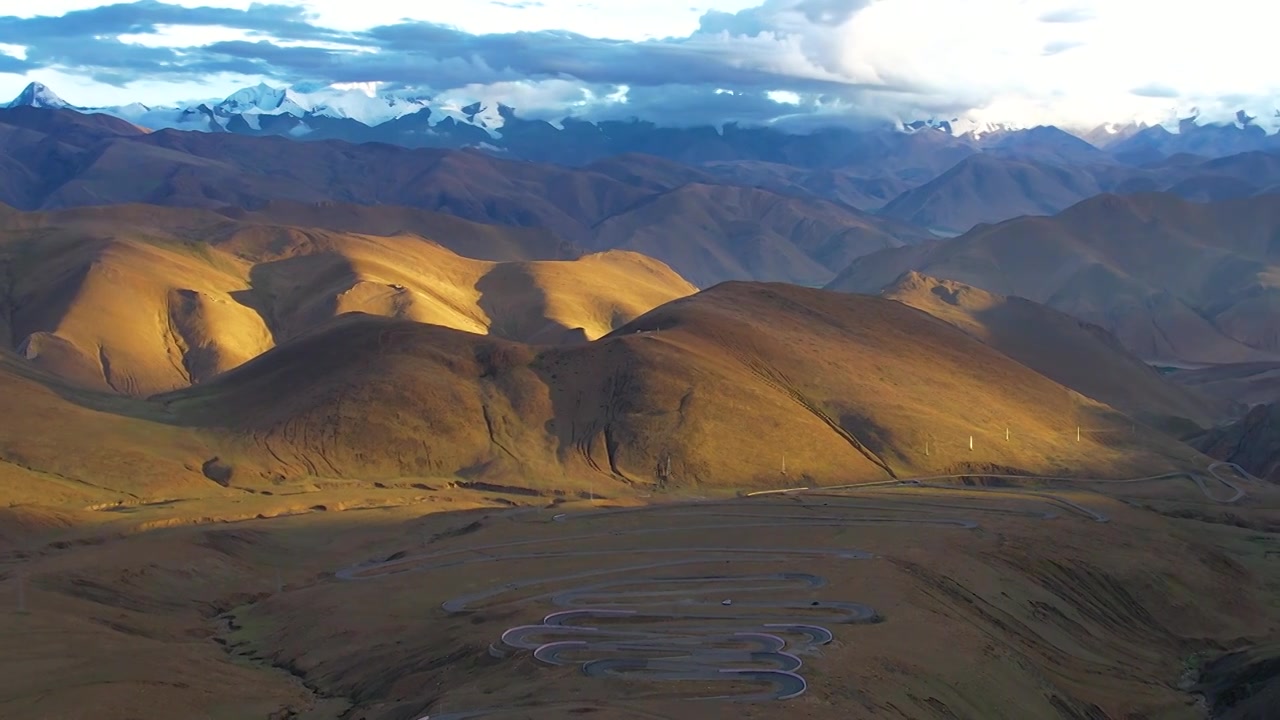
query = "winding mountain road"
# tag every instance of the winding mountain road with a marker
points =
(640, 621)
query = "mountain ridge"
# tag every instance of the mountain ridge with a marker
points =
(412, 120)
(1174, 280)
(87, 165)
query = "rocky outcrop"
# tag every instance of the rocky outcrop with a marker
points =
(1253, 442)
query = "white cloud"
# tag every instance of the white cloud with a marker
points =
(619, 19)
(988, 56)
(784, 97)
(185, 36)
(1068, 62)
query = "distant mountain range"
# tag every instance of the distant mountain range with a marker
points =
(1179, 283)
(359, 114)
(1173, 261)
(708, 230)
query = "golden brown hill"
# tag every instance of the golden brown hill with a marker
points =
(64, 446)
(718, 387)
(1175, 281)
(139, 300)
(1079, 355)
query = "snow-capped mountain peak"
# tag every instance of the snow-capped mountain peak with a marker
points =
(38, 95)
(980, 129)
(960, 127)
(371, 112)
(261, 98)
(360, 102)
(916, 126)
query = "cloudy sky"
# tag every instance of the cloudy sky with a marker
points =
(1075, 63)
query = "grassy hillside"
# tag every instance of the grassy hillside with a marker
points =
(1079, 355)
(138, 300)
(718, 387)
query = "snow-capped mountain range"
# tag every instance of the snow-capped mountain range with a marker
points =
(359, 113)
(359, 103)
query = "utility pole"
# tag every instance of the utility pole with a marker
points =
(784, 463)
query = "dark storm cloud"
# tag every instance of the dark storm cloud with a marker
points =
(10, 64)
(423, 53)
(145, 15)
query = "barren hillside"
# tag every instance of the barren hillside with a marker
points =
(139, 300)
(844, 387)
(1173, 280)
(1077, 354)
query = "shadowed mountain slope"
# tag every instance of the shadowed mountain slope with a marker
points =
(1253, 442)
(1173, 280)
(986, 188)
(722, 232)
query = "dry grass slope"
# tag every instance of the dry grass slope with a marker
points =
(1079, 355)
(719, 387)
(139, 300)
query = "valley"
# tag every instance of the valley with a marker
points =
(342, 396)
